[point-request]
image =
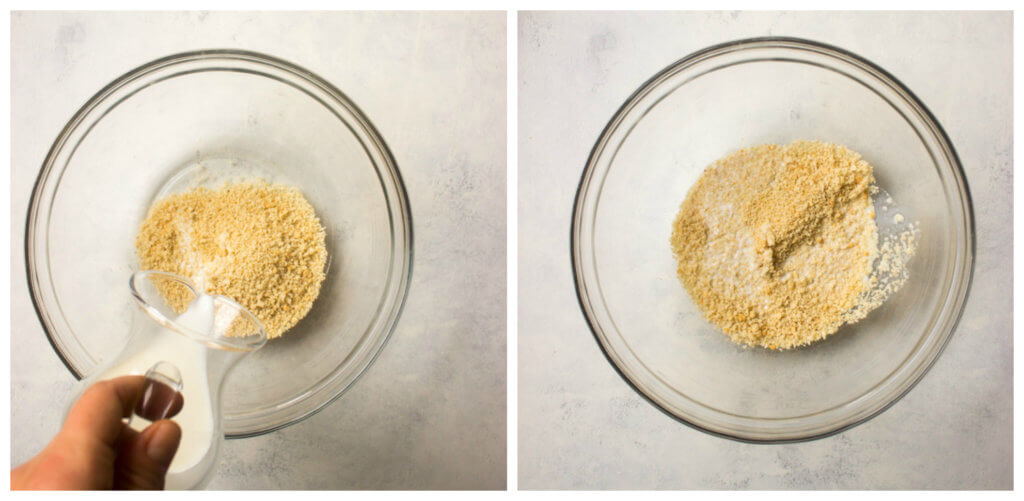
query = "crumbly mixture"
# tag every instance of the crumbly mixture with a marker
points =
(775, 243)
(257, 243)
(890, 269)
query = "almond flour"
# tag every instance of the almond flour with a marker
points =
(257, 243)
(775, 244)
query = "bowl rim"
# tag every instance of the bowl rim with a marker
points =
(729, 47)
(400, 198)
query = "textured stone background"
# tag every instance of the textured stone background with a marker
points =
(431, 412)
(581, 426)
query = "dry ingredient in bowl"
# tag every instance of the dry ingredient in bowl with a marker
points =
(775, 244)
(260, 244)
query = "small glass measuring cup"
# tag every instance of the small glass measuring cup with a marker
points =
(185, 343)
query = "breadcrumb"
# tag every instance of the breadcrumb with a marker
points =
(775, 243)
(257, 243)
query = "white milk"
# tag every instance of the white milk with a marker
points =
(196, 451)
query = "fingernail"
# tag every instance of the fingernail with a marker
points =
(164, 442)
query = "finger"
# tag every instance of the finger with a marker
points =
(176, 405)
(82, 454)
(96, 416)
(143, 460)
(158, 401)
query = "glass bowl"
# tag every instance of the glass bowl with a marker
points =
(712, 102)
(198, 119)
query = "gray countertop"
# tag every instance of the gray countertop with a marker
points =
(582, 426)
(431, 412)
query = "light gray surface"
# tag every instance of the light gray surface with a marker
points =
(582, 426)
(430, 413)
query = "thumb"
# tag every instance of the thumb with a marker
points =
(143, 460)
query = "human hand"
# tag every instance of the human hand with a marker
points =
(96, 450)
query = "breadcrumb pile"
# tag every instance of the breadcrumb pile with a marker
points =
(260, 244)
(775, 243)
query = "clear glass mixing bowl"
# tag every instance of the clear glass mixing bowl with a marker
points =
(726, 97)
(197, 119)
